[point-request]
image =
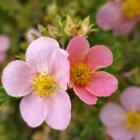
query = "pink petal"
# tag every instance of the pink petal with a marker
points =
(29, 34)
(120, 132)
(138, 18)
(130, 98)
(60, 67)
(77, 49)
(71, 84)
(109, 15)
(17, 78)
(102, 84)
(118, 0)
(112, 114)
(2, 56)
(124, 26)
(98, 57)
(40, 51)
(4, 43)
(84, 95)
(32, 110)
(137, 135)
(59, 110)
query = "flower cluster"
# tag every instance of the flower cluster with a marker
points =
(43, 79)
(57, 65)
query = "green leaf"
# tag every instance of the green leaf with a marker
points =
(3, 96)
(94, 30)
(63, 35)
(58, 21)
(34, 36)
(41, 28)
(20, 57)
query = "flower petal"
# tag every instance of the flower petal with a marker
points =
(4, 43)
(99, 57)
(120, 132)
(2, 56)
(102, 84)
(32, 110)
(138, 18)
(108, 15)
(124, 26)
(29, 34)
(60, 67)
(59, 110)
(84, 95)
(77, 49)
(40, 51)
(17, 78)
(112, 114)
(130, 98)
(137, 135)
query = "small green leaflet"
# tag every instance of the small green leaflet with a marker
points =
(34, 36)
(41, 28)
(3, 96)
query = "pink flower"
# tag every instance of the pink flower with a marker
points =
(4, 45)
(120, 15)
(42, 80)
(123, 122)
(29, 34)
(84, 77)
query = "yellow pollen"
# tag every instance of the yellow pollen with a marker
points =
(44, 85)
(131, 8)
(80, 74)
(133, 120)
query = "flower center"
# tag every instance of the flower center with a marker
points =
(133, 120)
(80, 73)
(44, 85)
(131, 8)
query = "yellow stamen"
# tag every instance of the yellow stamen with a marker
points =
(80, 74)
(131, 8)
(133, 120)
(44, 85)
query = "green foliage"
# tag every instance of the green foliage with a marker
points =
(3, 96)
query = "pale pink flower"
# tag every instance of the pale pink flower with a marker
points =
(123, 122)
(29, 34)
(4, 45)
(42, 80)
(120, 15)
(87, 81)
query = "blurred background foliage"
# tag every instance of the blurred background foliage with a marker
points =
(16, 18)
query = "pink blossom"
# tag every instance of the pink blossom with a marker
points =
(4, 45)
(87, 81)
(42, 80)
(29, 34)
(123, 122)
(120, 15)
